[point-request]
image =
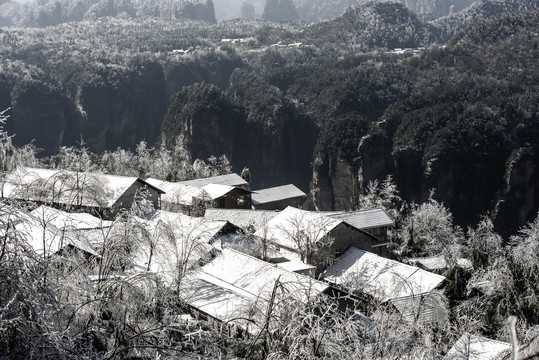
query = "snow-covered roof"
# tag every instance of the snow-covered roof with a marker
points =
(180, 193)
(187, 226)
(423, 309)
(382, 278)
(285, 228)
(215, 191)
(278, 193)
(295, 266)
(176, 240)
(68, 187)
(43, 237)
(365, 219)
(234, 285)
(62, 219)
(229, 179)
(244, 218)
(473, 347)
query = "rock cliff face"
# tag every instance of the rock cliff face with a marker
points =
(466, 168)
(111, 108)
(34, 105)
(251, 123)
(518, 202)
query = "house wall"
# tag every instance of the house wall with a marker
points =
(126, 200)
(379, 232)
(345, 236)
(235, 199)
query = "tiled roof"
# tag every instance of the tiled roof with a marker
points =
(278, 193)
(472, 347)
(295, 266)
(229, 179)
(365, 219)
(382, 278)
(422, 309)
(243, 218)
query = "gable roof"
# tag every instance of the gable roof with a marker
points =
(365, 219)
(236, 287)
(62, 219)
(228, 179)
(244, 218)
(473, 347)
(277, 193)
(68, 187)
(382, 278)
(285, 227)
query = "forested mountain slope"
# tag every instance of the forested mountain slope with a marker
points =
(468, 127)
(333, 102)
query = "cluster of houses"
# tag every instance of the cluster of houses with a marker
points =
(231, 246)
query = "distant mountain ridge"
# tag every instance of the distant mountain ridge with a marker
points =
(481, 10)
(52, 12)
(372, 25)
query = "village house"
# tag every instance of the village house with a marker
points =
(176, 239)
(96, 193)
(300, 235)
(278, 198)
(374, 221)
(192, 200)
(44, 238)
(236, 290)
(382, 278)
(409, 289)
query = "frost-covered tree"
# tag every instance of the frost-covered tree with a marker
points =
(429, 231)
(485, 245)
(382, 195)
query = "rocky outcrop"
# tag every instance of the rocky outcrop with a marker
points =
(251, 123)
(38, 113)
(280, 10)
(518, 202)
